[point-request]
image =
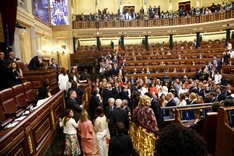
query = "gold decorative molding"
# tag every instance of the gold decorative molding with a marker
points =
(30, 145)
(52, 117)
(143, 141)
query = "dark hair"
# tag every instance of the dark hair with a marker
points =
(46, 83)
(17, 66)
(67, 117)
(94, 92)
(177, 140)
(73, 84)
(228, 102)
(148, 94)
(99, 112)
(63, 71)
(120, 128)
(71, 92)
(215, 106)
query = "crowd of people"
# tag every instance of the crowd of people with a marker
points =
(155, 13)
(116, 100)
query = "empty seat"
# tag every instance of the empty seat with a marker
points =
(176, 63)
(3, 120)
(131, 64)
(8, 102)
(146, 63)
(166, 78)
(192, 69)
(28, 92)
(139, 64)
(209, 131)
(169, 63)
(19, 96)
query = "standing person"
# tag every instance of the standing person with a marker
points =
(112, 44)
(119, 115)
(85, 127)
(73, 105)
(85, 75)
(63, 79)
(35, 62)
(94, 103)
(69, 125)
(120, 145)
(76, 88)
(17, 72)
(100, 128)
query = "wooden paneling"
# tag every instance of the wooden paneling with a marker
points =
(33, 135)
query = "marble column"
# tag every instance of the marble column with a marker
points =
(122, 42)
(98, 43)
(171, 41)
(170, 5)
(146, 43)
(198, 40)
(120, 7)
(227, 35)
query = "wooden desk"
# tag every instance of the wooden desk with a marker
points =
(197, 114)
(225, 134)
(33, 135)
(37, 77)
(86, 87)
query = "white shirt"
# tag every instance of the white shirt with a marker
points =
(62, 81)
(70, 127)
(182, 103)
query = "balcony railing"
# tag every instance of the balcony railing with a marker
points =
(153, 22)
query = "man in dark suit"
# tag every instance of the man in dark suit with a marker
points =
(171, 101)
(35, 62)
(120, 145)
(54, 64)
(219, 95)
(107, 93)
(157, 110)
(212, 97)
(73, 105)
(12, 56)
(108, 111)
(119, 115)
(116, 91)
(94, 103)
(84, 75)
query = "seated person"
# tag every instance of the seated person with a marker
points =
(198, 124)
(176, 140)
(43, 92)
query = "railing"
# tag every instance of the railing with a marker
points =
(154, 22)
(143, 140)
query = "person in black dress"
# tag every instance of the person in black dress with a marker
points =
(17, 72)
(43, 92)
(7, 78)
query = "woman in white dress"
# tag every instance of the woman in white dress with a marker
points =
(63, 79)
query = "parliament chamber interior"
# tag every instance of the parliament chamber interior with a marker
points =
(167, 65)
